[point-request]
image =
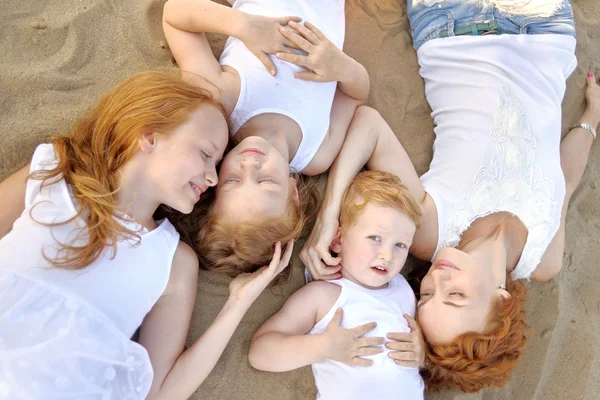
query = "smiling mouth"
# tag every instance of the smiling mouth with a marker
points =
(253, 152)
(197, 190)
(379, 269)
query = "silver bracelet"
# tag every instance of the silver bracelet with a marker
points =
(587, 127)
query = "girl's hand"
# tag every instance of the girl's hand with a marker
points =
(245, 288)
(592, 95)
(347, 346)
(262, 36)
(316, 256)
(408, 349)
(326, 62)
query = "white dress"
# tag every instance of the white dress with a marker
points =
(66, 333)
(496, 104)
(384, 380)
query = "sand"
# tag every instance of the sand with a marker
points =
(59, 56)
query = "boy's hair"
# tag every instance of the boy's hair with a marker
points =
(474, 361)
(380, 188)
(90, 155)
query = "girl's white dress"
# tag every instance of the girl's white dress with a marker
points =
(65, 334)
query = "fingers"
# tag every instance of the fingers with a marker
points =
(288, 19)
(329, 259)
(289, 248)
(267, 62)
(413, 324)
(315, 30)
(276, 255)
(295, 38)
(362, 329)
(370, 341)
(317, 268)
(407, 359)
(309, 76)
(368, 351)
(361, 362)
(305, 32)
(293, 58)
(402, 346)
(400, 336)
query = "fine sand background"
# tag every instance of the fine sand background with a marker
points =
(59, 56)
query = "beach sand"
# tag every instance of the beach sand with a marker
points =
(59, 56)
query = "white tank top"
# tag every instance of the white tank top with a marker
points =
(124, 289)
(496, 104)
(384, 380)
(307, 103)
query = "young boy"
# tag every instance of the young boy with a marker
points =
(378, 220)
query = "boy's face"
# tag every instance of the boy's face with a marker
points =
(374, 248)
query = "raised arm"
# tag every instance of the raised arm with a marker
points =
(185, 23)
(282, 344)
(369, 141)
(12, 199)
(178, 373)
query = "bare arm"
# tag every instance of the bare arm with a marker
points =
(177, 375)
(282, 343)
(369, 141)
(12, 199)
(574, 152)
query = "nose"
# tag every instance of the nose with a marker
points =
(385, 254)
(210, 176)
(439, 275)
(248, 166)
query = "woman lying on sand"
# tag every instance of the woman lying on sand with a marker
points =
(84, 264)
(285, 118)
(495, 198)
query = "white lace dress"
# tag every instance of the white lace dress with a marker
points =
(65, 334)
(496, 103)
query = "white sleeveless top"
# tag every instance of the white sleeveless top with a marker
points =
(384, 380)
(307, 103)
(124, 289)
(496, 104)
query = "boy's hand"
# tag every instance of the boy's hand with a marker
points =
(326, 62)
(408, 349)
(347, 346)
(262, 36)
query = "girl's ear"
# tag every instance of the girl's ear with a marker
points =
(336, 244)
(295, 194)
(147, 142)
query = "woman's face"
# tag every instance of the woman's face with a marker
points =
(456, 295)
(254, 181)
(184, 161)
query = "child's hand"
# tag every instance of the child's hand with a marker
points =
(262, 36)
(316, 256)
(325, 60)
(408, 349)
(245, 288)
(347, 346)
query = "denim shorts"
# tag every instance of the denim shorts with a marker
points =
(429, 18)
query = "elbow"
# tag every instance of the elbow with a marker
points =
(254, 355)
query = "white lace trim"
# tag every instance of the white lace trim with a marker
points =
(514, 183)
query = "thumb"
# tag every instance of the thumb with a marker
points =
(414, 325)
(267, 62)
(308, 76)
(285, 20)
(337, 317)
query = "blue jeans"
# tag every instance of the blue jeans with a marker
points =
(427, 21)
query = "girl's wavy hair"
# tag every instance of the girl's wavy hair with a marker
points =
(474, 361)
(90, 155)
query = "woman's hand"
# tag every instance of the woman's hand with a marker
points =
(245, 288)
(262, 36)
(592, 96)
(408, 349)
(326, 62)
(315, 254)
(347, 345)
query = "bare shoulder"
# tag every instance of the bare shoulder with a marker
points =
(324, 294)
(184, 269)
(426, 238)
